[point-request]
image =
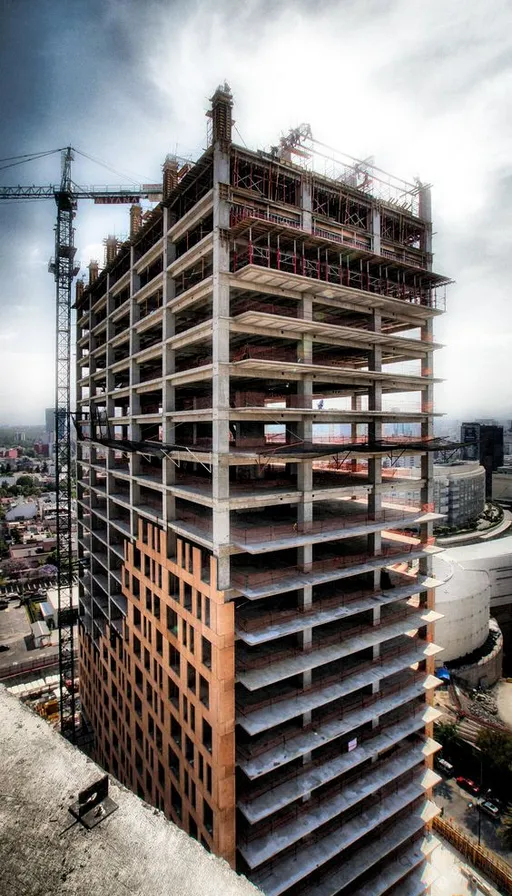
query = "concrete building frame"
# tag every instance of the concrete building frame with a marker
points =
(256, 624)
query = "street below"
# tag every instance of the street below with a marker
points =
(461, 807)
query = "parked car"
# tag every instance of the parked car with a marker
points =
(490, 808)
(444, 766)
(469, 785)
(4, 604)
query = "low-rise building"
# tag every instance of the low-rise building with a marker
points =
(459, 491)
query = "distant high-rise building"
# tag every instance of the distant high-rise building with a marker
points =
(251, 660)
(484, 443)
(507, 440)
(50, 432)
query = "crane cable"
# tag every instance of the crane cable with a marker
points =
(27, 157)
(136, 180)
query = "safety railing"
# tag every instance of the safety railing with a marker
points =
(263, 307)
(343, 237)
(257, 748)
(276, 576)
(365, 737)
(342, 635)
(275, 823)
(246, 709)
(342, 598)
(248, 534)
(339, 274)
(255, 534)
(244, 213)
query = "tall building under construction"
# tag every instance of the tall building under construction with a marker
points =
(256, 610)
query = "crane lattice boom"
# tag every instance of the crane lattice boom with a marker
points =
(62, 266)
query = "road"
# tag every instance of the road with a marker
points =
(460, 807)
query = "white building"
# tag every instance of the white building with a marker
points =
(464, 599)
(459, 491)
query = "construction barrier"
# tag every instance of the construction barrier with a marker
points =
(484, 859)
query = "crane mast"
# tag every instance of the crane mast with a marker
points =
(64, 269)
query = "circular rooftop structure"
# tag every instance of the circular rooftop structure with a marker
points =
(464, 599)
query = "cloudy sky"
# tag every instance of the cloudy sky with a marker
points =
(422, 87)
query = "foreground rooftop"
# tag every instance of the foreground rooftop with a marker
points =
(43, 850)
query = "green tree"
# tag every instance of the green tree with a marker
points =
(497, 748)
(25, 482)
(445, 733)
(505, 829)
(52, 557)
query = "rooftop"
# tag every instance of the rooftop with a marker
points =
(43, 850)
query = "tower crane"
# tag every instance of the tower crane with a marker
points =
(63, 267)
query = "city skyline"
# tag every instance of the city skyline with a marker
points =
(435, 100)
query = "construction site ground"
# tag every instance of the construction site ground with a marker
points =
(452, 875)
(15, 633)
(503, 693)
(471, 711)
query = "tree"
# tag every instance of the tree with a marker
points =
(14, 567)
(445, 733)
(497, 748)
(505, 829)
(52, 557)
(25, 482)
(496, 761)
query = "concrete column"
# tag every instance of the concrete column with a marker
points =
(355, 405)
(135, 460)
(168, 367)
(305, 472)
(220, 373)
(305, 427)
(109, 357)
(427, 431)
(376, 230)
(307, 203)
(375, 469)
(425, 213)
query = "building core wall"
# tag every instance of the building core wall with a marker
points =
(256, 622)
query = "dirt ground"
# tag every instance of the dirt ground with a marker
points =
(503, 695)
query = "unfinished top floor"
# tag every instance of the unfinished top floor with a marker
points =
(296, 208)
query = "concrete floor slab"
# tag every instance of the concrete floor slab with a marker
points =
(284, 794)
(319, 812)
(306, 740)
(256, 678)
(293, 868)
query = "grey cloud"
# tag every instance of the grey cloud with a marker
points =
(80, 71)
